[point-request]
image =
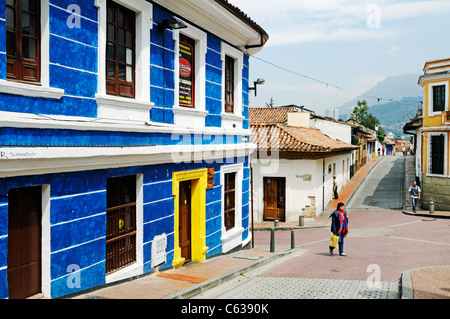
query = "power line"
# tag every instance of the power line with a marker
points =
(346, 91)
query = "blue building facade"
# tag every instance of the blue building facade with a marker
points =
(119, 130)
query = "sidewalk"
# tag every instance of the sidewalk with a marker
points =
(423, 283)
(188, 281)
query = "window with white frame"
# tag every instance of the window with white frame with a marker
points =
(232, 65)
(231, 180)
(28, 50)
(437, 98)
(123, 66)
(190, 102)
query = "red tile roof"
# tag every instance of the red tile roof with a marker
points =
(294, 139)
(276, 114)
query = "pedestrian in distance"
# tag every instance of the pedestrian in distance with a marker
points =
(339, 227)
(414, 195)
(335, 192)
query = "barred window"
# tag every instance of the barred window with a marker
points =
(230, 200)
(438, 98)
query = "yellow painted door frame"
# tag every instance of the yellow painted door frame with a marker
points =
(198, 178)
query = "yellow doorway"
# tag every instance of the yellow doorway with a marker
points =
(198, 180)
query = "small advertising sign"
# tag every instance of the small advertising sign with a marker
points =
(186, 63)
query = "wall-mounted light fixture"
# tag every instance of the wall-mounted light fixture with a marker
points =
(259, 81)
(173, 23)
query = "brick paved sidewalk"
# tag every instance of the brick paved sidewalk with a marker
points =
(180, 283)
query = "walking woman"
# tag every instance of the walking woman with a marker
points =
(339, 227)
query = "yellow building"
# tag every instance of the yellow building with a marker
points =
(433, 140)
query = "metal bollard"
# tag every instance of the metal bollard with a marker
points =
(431, 208)
(292, 240)
(277, 222)
(272, 240)
(301, 220)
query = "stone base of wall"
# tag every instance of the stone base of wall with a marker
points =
(437, 190)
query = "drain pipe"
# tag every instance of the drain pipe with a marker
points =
(250, 160)
(323, 184)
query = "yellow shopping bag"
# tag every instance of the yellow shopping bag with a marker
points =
(334, 241)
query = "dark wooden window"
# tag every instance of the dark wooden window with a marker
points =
(186, 71)
(120, 222)
(230, 200)
(439, 98)
(23, 41)
(437, 154)
(120, 51)
(229, 84)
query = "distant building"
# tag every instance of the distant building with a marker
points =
(295, 162)
(431, 129)
(332, 112)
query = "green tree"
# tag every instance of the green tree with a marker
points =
(361, 114)
(271, 103)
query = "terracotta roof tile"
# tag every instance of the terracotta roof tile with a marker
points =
(277, 114)
(292, 138)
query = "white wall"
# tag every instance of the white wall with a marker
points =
(342, 132)
(297, 188)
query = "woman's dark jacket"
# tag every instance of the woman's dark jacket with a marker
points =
(335, 223)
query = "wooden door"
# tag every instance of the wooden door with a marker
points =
(274, 198)
(24, 242)
(185, 220)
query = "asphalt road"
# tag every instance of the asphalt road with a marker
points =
(383, 186)
(382, 243)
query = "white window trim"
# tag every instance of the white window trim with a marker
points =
(43, 90)
(429, 162)
(235, 119)
(114, 107)
(430, 97)
(45, 246)
(233, 237)
(192, 117)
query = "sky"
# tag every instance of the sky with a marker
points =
(348, 44)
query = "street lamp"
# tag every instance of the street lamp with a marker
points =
(173, 23)
(259, 81)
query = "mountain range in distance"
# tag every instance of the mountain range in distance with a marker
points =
(394, 101)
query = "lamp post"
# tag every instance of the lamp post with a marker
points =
(259, 81)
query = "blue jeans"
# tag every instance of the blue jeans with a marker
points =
(414, 202)
(341, 244)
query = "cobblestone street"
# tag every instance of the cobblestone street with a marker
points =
(382, 243)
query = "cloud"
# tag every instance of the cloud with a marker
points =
(393, 50)
(413, 9)
(296, 21)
